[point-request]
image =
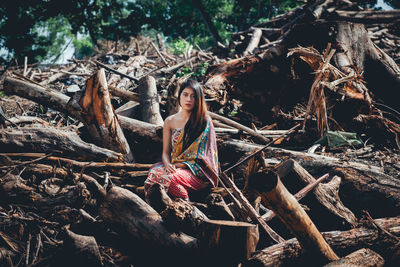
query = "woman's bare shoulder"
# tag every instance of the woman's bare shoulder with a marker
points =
(170, 121)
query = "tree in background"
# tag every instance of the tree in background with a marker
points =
(41, 29)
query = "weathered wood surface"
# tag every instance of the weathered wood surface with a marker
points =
(276, 197)
(143, 226)
(342, 243)
(327, 194)
(362, 257)
(149, 101)
(58, 101)
(354, 190)
(53, 139)
(100, 117)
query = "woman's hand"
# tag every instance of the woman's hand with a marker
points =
(170, 168)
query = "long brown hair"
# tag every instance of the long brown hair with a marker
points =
(198, 118)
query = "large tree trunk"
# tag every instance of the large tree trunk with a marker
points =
(100, 117)
(149, 101)
(53, 140)
(290, 252)
(143, 227)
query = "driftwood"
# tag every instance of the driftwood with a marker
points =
(362, 257)
(343, 243)
(326, 194)
(149, 101)
(60, 102)
(100, 117)
(381, 184)
(298, 196)
(131, 215)
(52, 139)
(276, 197)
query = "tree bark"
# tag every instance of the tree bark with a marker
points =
(362, 257)
(100, 117)
(354, 192)
(52, 139)
(149, 101)
(58, 101)
(143, 226)
(326, 194)
(80, 249)
(276, 197)
(207, 20)
(343, 243)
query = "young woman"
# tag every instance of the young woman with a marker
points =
(188, 143)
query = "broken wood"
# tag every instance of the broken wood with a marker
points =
(276, 197)
(343, 243)
(298, 196)
(241, 202)
(362, 257)
(239, 126)
(53, 139)
(326, 194)
(80, 249)
(149, 101)
(100, 118)
(130, 214)
(58, 101)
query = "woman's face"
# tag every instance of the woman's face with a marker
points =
(187, 99)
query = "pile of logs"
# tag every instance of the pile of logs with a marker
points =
(77, 141)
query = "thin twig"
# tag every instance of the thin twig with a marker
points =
(28, 162)
(291, 130)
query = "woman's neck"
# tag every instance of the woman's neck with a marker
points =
(185, 114)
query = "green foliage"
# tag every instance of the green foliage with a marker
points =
(179, 46)
(84, 47)
(41, 29)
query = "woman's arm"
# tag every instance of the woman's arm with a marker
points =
(166, 152)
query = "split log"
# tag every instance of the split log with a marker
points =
(52, 139)
(326, 194)
(80, 249)
(362, 257)
(276, 197)
(149, 101)
(143, 226)
(100, 118)
(290, 252)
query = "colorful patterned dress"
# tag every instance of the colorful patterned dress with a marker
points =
(180, 183)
